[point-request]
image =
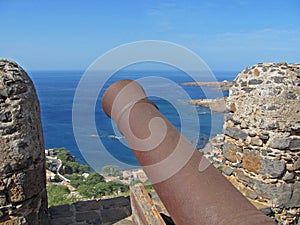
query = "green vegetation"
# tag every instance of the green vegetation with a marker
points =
(75, 167)
(148, 186)
(59, 195)
(111, 171)
(70, 165)
(94, 186)
(64, 155)
(76, 179)
(94, 178)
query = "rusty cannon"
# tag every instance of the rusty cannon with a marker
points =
(193, 191)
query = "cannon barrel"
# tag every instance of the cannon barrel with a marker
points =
(193, 191)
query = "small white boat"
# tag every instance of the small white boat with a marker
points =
(114, 137)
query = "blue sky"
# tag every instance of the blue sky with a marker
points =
(227, 35)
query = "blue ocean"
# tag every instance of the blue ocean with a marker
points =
(56, 90)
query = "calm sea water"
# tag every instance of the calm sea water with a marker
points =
(56, 90)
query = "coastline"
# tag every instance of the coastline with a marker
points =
(215, 105)
(218, 85)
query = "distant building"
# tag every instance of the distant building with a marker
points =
(140, 175)
(134, 175)
(127, 174)
(70, 187)
(85, 175)
(50, 176)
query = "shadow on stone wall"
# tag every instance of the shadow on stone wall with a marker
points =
(94, 212)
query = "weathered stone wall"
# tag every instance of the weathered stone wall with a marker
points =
(262, 137)
(94, 212)
(23, 197)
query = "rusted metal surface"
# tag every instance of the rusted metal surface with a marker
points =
(192, 190)
(144, 211)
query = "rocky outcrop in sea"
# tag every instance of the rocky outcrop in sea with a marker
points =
(218, 85)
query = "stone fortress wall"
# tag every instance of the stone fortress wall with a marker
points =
(23, 198)
(262, 138)
(94, 212)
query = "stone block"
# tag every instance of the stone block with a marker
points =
(264, 137)
(228, 171)
(21, 186)
(295, 199)
(247, 89)
(251, 161)
(2, 199)
(256, 141)
(255, 82)
(228, 116)
(62, 221)
(88, 205)
(266, 211)
(15, 221)
(288, 176)
(115, 202)
(252, 195)
(271, 167)
(279, 194)
(229, 151)
(250, 181)
(296, 164)
(268, 123)
(60, 211)
(114, 214)
(235, 133)
(89, 216)
(279, 143)
(294, 144)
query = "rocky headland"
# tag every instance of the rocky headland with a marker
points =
(218, 85)
(215, 105)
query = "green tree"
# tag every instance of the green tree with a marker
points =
(84, 190)
(115, 187)
(59, 195)
(63, 155)
(76, 180)
(56, 178)
(87, 191)
(102, 189)
(111, 170)
(94, 178)
(73, 167)
(84, 168)
(136, 182)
